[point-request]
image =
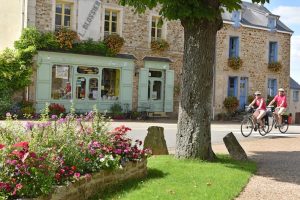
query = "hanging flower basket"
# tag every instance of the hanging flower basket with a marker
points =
(275, 66)
(114, 42)
(235, 63)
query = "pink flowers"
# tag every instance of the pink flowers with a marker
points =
(2, 146)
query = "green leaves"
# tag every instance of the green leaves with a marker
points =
(187, 9)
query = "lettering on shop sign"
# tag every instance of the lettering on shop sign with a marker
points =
(90, 17)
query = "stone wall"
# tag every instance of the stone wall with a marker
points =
(44, 15)
(85, 188)
(253, 50)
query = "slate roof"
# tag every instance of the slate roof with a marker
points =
(293, 84)
(256, 15)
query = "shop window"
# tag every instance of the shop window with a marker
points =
(61, 84)
(157, 90)
(80, 88)
(93, 89)
(87, 70)
(157, 74)
(156, 28)
(110, 86)
(111, 22)
(63, 15)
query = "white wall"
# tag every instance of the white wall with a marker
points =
(93, 31)
(10, 22)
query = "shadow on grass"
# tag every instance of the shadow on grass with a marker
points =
(248, 165)
(129, 185)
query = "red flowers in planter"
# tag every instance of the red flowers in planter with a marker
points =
(2, 146)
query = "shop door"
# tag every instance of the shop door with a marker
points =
(297, 118)
(243, 92)
(156, 94)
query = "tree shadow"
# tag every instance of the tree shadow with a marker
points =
(281, 166)
(129, 185)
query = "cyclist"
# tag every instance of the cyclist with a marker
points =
(261, 108)
(281, 103)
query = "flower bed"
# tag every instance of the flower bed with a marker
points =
(35, 157)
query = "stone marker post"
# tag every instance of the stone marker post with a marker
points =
(234, 148)
(155, 141)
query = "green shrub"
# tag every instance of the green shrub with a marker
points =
(90, 47)
(116, 109)
(5, 101)
(231, 104)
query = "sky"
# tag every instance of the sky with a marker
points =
(289, 12)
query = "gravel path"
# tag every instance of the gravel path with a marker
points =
(278, 175)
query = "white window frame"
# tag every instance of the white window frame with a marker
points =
(120, 11)
(73, 25)
(163, 28)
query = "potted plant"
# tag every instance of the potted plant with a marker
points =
(275, 66)
(159, 45)
(235, 63)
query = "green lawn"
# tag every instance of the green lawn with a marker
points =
(173, 179)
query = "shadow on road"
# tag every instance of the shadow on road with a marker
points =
(281, 166)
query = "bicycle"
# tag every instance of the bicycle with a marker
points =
(247, 124)
(284, 125)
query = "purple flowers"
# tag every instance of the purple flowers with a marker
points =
(29, 126)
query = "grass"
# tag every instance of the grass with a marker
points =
(172, 179)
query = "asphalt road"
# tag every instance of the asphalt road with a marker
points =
(139, 131)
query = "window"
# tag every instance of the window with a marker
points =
(93, 89)
(156, 90)
(157, 74)
(273, 51)
(110, 87)
(295, 96)
(272, 87)
(80, 88)
(233, 47)
(61, 85)
(87, 70)
(232, 86)
(156, 28)
(63, 15)
(111, 22)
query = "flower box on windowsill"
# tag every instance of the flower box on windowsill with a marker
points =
(235, 63)
(159, 45)
(275, 66)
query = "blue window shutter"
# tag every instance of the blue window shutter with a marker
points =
(275, 87)
(276, 51)
(270, 52)
(237, 47)
(235, 86)
(228, 87)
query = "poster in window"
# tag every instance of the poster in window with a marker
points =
(62, 72)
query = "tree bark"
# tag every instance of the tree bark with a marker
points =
(193, 139)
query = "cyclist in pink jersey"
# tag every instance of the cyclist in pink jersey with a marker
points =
(281, 103)
(261, 108)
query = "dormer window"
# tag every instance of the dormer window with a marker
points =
(272, 23)
(236, 17)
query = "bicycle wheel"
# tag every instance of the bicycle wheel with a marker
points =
(283, 128)
(263, 131)
(271, 125)
(247, 127)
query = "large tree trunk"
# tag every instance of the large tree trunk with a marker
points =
(193, 139)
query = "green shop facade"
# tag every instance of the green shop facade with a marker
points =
(87, 81)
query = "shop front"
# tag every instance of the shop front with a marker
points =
(86, 81)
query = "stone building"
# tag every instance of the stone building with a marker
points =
(294, 101)
(139, 78)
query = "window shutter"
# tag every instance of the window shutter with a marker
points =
(276, 51)
(143, 89)
(237, 47)
(169, 90)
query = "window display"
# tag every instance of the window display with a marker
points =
(61, 84)
(110, 86)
